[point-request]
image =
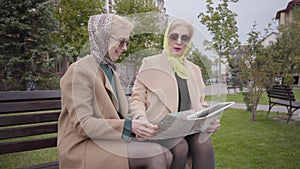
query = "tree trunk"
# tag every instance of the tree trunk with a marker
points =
(256, 98)
(254, 110)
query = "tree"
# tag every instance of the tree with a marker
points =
(220, 22)
(148, 34)
(73, 16)
(128, 7)
(27, 50)
(202, 61)
(257, 69)
(260, 66)
(287, 48)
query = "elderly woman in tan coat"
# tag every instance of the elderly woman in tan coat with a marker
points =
(168, 83)
(93, 131)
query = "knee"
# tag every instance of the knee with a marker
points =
(206, 145)
(155, 150)
(181, 149)
(203, 147)
(169, 158)
(163, 160)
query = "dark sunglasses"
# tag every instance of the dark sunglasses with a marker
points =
(184, 38)
(121, 41)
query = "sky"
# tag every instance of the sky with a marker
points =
(248, 11)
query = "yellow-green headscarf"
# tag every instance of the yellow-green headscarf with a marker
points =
(176, 63)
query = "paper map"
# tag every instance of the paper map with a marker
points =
(189, 122)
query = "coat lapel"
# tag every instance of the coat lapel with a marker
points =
(109, 88)
(159, 78)
(121, 95)
(119, 100)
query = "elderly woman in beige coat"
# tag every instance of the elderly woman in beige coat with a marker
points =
(93, 131)
(168, 83)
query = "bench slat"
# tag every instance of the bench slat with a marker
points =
(9, 96)
(281, 92)
(20, 146)
(294, 104)
(28, 118)
(27, 131)
(13, 107)
(281, 102)
(50, 165)
(281, 96)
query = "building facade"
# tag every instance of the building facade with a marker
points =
(285, 16)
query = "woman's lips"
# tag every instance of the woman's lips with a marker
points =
(177, 49)
(117, 52)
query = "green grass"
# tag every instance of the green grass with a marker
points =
(238, 98)
(264, 144)
(17, 160)
(240, 144)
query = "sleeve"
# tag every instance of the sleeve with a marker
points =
(138, 98)
(127, 130)
(78, 97)
(137, 101)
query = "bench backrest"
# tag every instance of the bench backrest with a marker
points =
(27, 118)
(283, 92)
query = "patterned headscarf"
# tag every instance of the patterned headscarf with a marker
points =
(99, 34)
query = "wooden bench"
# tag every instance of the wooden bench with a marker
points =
(283, 95)
(29, 113)
(232, 87)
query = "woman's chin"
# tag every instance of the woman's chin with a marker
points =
(176, 54)
(114, 57)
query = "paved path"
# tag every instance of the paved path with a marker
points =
(222, 89)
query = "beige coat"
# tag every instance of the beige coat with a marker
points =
(89, 128)
(155, 91)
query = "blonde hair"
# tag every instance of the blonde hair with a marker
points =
(181, 22)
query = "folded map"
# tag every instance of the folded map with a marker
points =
(189, 122)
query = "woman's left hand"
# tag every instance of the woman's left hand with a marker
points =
(214, 126)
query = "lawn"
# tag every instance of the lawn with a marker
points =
(17, 160)
(264, 144)
(240, 144)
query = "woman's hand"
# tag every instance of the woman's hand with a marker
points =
(214, 126)
(143, 130)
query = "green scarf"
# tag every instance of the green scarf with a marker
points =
(176, 63)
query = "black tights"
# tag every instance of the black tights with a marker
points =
(145, 155)
(180, 152)
(202, 153)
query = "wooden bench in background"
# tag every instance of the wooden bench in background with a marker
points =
(283, 95)
(29, 113)
(234, 87)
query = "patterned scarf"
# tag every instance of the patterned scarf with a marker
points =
(99, 35)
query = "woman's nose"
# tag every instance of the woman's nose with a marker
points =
(124, 47)
(178, 41)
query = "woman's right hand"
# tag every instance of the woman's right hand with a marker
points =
(143, 130)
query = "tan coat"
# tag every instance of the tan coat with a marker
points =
(89, 128)
(155, 91)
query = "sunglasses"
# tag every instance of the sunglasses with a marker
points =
(121, 41)
(174, 38)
